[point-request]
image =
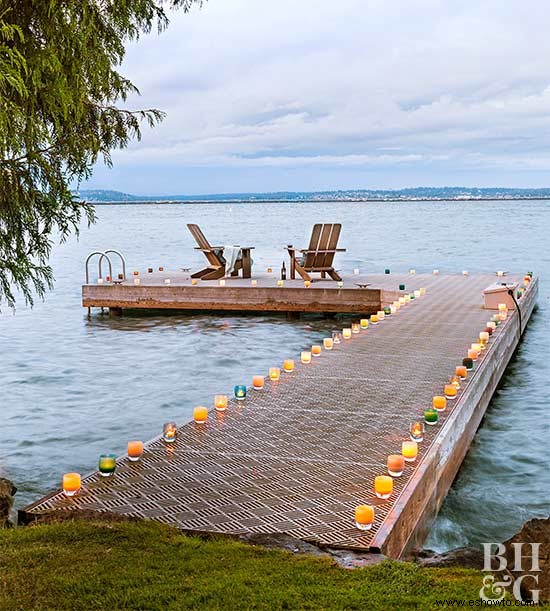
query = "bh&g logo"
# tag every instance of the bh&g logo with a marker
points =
(524, 553)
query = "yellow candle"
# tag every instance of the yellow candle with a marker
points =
(316, 350)
(194, 281)
(328, 343)
(373, 319)
(407, 298)
(200, 415)
(364, 517)
(288, 365)
(307, 283)
(422, 290)
(274, 374)
(383, 486)
(439, 402)
(346, 333)
(280, 282)
(72, 483)
(364, 323)
(409, 449)
(135, 450)
(220, 402)
(476, 347)
(305, 357)
(450, 391)
(502, 307)
(258, 382)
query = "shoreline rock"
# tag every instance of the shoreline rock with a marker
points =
(7, 492)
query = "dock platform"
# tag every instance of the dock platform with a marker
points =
(299, 455)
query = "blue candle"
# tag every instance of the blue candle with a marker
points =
(240, 392)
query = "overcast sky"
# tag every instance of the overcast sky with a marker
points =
(336, 94)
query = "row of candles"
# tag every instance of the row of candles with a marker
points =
(72, 482)
(383, 484)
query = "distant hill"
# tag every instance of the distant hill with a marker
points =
(417, 193)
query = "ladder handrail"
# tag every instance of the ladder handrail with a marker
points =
(111, 250)
(101, 254)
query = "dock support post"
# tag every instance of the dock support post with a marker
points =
(293, 315)
(115, 312)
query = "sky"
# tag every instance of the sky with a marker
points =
(307, 95)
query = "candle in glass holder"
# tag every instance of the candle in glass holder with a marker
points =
(387, 270)
(383, 486)
(280, 282)
(240, 392)
(340, 284)
(269, 270)
(346, 333)
(253, 283)
(288, 365)
(396, 464)
(336, 337)
(137, 281)
(305, 357)
(135, 450)
(258, 382)
(307, 283)
(422, 291)
(380, 315)
(483, 336)
(161, 269)
(274, 374)
(194, 281)
(150, 270)
(409, 449)
(364, 323)
(107, 464)
(167, 281)
(401, 287)
(355, 327)
(439, 402)
(356, 271)
(473, 354)
(393, 310)
(465, 272)
(222, 282)
(412, 272)
(475, 346)
(431, 416)
(374, 319)
(72, 482)
(315, 350)
(502, 316)
(526, 280)
(364, 517)
(200, 414)
(121, 277)
(468, 362)
(169, 432)
(461, 372)
(407, 298)
(100, 280)
(387, 311)
(412, 296)
(220, 403)
(492, 325)
(402, 301)
(328, 343)
(450, 391)
(417, 431)
(436, 272)
(136, 273)
(455, 381)
(417, 293)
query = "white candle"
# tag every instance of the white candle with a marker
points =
(356, 271)
(222, 282)
(253, 283)
(136, 281)
(167, 281)
(100, 280)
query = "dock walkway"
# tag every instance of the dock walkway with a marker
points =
(299, 455)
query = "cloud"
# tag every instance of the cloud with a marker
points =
(445, 89)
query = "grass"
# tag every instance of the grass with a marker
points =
(144, 565)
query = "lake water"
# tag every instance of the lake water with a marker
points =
(73, 388)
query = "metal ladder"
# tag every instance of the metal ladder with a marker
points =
(104, 255)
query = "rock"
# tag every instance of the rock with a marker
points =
(282, 541)
(349, 559)
(533, 531)
(465, 557)
(7, 490)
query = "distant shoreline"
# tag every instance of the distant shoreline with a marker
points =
(310, 200)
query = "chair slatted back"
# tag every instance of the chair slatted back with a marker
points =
(323, 237)
(204, 245)
(332, 244)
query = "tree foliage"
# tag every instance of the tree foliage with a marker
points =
(60, 111)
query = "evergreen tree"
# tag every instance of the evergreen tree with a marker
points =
(60, 97)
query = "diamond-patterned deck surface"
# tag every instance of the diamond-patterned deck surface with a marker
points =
(298, 456)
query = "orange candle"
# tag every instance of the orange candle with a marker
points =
(305, 357)
(200, 415)
(439, 402)
(316, 350)
(383, 486)
(475, 346)
(135, 450)
(346, 333)
(364, 517)
(274, 374)
(450, 391)
(220, 402)
(258, 382)
(409, 449)
(396, 464)
(288, 365)
(72, 482)
(328, 343)
(194, 281)
(461, 372)
(473, 354)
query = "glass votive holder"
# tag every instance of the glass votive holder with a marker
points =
(439, 403)
(328, 343)
(280, 282)
(194, 281)
(340, 284)
(489, 330)
(107, 464)
(149, 270)
(393, 309)
(401, 287)
(380, 315)
(387, 270)
(395, 464)
(417, 293)
(336, 337)
(407, 298)
(461, 372)
(136, 273)
(240, 392)
(431, 416)
(465, 272)
(220, 403)
(412, 296)
(274, 374)
(72, 483)
(468, 362)
(484, 336)
(161, 269)
(374, 319)
(387, 311)
(200, 414)
(455, 381)
(167, 281)
(383, 486)
(253, 283)
(450, 391)
(364, 517)
(137, 281)
(416, 431)
(100, 280)
(402, 301)
(436, 272)
(135, 450)
(305, 357)
(169, 432)
(476, 346)
(356, 271)
(121, 276)
(409, 449)
(364, 323)
(355, 327)
(307, 283)
(258, 382)
(492, 325)
(412, 272)
(288, 365)
(315, 350)
(222, 282)
(473, 354)
(346, 333)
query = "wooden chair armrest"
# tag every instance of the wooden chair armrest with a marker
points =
(306, 250)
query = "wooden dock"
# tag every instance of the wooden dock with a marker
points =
(299, 455)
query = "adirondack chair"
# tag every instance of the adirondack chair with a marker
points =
(216, 262)
(318, 257)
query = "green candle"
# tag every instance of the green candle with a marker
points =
(411, 295)
(431, 416)
(468, 363)
(386, 271)
(107, 464)
(401, 287)
(387, 311)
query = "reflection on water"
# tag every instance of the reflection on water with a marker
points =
(73, 388)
